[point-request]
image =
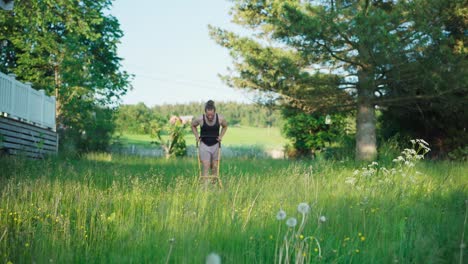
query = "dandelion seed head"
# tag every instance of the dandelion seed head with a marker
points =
(303, 208)
(281, 215)
(213, 258)
(291, 222)
(322, 219)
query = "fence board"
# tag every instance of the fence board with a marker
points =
(23, 148)
(28, 154)
(23, 133)
(47, 141)
(28, 127)
(10, 137)
(24, 139)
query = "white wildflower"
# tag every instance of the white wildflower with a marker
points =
(356, 172)
(303, 208)
(322, 219)
(385, 171)
(281, 215)
(350, 180)
(424, 142)
(291, 222)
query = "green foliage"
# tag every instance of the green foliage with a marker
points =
(440, 84)
(91, 129)
(69, 49)
(136, 119)
(460, 153)
(341, 55)
(175, 145)
(310, 132)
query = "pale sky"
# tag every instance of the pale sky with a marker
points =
(167, 47)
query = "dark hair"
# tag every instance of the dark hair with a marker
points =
(210, 105)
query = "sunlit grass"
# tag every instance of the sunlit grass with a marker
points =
(268, 138)
(107, 209)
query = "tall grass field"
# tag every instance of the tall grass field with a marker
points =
(106, 208)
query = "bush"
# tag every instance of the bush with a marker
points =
(310, 133)
(88, 130)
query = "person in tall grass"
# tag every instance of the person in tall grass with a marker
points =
(210, 137)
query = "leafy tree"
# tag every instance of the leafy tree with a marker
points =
(334, 55)
(69, 49)
(440, 120)
(137, 118)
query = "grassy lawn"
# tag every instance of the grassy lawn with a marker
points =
(117, 209)
(269, 138)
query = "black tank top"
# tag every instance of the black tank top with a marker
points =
(209, 134)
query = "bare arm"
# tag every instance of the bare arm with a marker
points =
(224, 126)
(195, 123)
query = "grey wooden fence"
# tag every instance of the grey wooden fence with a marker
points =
(19, 138)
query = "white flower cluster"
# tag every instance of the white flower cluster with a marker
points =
(405, 164)
(417, 152)
(365, 172)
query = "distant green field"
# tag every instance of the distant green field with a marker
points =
(268, 138)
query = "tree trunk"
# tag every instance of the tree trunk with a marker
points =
(366, 143)
(58, 101)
